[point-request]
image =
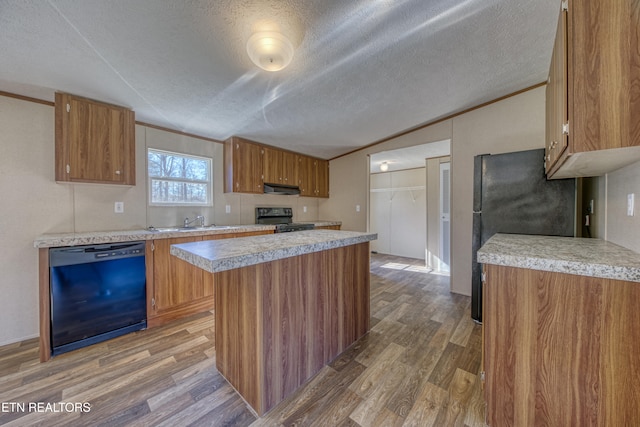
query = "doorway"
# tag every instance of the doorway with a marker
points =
(405, 203)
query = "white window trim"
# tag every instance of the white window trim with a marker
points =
(208, 181)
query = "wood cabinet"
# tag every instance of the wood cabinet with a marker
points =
(593, 95)
(328, 227)
(272, 165)
(560, 349)
(243, 166)
(249, 165)
(175, 288)
(289, 168)
(556, 97)
(322, 178)
(279, 322)
(306, 176)
(94, 141)
(279, 166)
(313, 177)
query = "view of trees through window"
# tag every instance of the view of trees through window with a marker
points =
(179, 179)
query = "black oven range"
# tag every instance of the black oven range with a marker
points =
(281, 217)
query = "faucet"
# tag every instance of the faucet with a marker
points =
(188, 222)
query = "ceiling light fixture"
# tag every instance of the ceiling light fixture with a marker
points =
(384, 167)
(270, 50)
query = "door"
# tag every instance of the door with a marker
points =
(445, 206)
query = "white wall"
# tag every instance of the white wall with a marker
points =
(349, 177)
(622, 229)
(399, 215)
(31, 204)
(34, 204)
(514, 124)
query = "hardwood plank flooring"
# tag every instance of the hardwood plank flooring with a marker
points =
(418, 366)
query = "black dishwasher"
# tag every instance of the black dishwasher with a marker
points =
(98, 292)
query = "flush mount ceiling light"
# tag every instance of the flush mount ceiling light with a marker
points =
(270, 50)
(384, 166)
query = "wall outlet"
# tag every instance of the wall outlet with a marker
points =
(630, 202)
(357, 208)
(304, 209)
(227, 208)
(118, 207)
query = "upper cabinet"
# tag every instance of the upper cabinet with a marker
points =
(249, 165)
(243, 166)
(95, 142)
(593, 95)
(272, 165)
(306, 176)
(322, 178)
(279, 166)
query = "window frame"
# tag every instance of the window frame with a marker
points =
(208, 182)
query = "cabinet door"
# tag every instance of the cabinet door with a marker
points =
(322, 178)
(289, 168)
(272, 165)
(176, 282)
(556, 97)
(95, 142)
(247, 167)
(306, 176)
(597, 76)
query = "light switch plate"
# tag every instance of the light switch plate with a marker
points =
(118, 207)
(227, 208)
(630, 202)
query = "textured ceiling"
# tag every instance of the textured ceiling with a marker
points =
(362, 70)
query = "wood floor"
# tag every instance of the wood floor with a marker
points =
(417, 367)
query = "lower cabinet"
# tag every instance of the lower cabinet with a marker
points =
(328, 227)
(175, 288)
(560, 349)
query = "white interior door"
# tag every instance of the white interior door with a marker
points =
(445, 205)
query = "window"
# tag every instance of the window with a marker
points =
(178, 179)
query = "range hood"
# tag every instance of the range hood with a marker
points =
(290, 190)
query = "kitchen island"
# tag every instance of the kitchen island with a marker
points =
(561, 331)
(285, 305)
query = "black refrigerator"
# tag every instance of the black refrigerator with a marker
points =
(511, 194)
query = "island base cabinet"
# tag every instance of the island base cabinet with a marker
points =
(278, 323)
(560, 349)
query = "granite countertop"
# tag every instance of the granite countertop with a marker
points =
(220, 255)
(580, 256)
(99, 237)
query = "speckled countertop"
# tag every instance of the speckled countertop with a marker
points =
(584, 257)
(99, 237)
(227, 254)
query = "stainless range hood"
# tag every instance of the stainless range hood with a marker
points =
(290, 190)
